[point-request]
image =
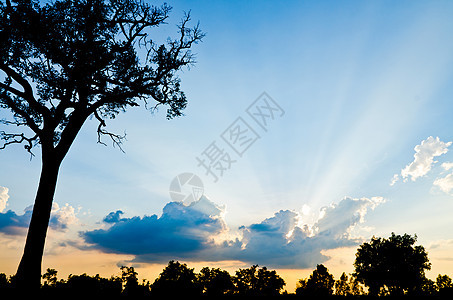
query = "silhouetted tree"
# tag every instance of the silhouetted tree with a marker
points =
(254, 281)
(319, 284)
(215, 281)
(269, 282)
(176, 280)
(50, 278)
(63, 62)
(392, 264)
(131, 285)
(427, 287)
(342, 287)
(444, 286)
(4, 282)
(355, 287)
(443, 281)
(245, 280)
(129, 278)
(301, 286)
(85, 285)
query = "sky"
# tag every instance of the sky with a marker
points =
(330, 122)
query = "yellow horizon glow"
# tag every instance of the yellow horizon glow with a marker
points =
(70, 260)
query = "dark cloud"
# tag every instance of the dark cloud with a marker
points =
(14, 224)
(180, 229)
(187, 232)
(113, 217)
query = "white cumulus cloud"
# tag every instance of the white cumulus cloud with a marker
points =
(3, 198)
(447, 165)
(423, 159)
(62, 216)
(395, 178)
(445, 183)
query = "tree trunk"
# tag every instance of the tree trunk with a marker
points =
(28, 276)
(29, 271)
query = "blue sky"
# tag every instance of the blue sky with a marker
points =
(361, 84)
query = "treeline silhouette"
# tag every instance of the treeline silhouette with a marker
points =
(383, 267)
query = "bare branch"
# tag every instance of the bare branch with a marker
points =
(17, 138)
(117, 140)
(137, 18)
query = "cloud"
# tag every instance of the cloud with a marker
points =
(447, 165)
(339, 218)
(61, 217)
(113, 217)
(13, 224)
(3, 198)
(189, 232)
(284, 241)
(180, 229)
(445, 183)
(423, 159)
(395, 178)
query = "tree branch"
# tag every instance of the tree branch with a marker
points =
(22, 113)
(12, 90)
(17, 138)
(28, 91)
(117, 140)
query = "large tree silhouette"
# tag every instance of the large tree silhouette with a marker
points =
(67, 61)
(393, 264)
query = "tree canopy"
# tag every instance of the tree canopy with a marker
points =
(394, 264)
(177, 280)
(214, 281)
(68, 60)
(320, 283)
(64, 62)
(258, 281)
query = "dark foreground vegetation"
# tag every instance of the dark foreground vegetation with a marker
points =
(384, 267)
